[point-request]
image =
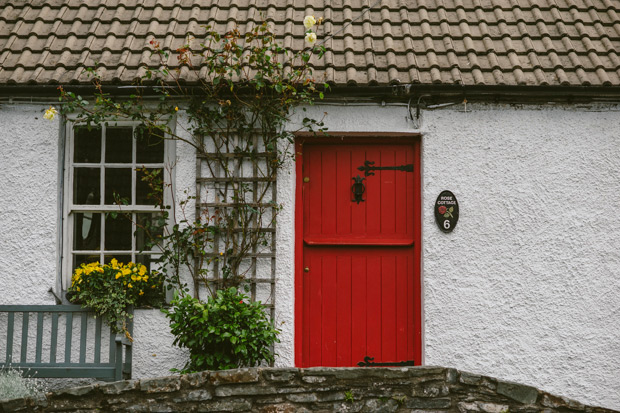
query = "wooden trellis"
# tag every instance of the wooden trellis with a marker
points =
(217, 172)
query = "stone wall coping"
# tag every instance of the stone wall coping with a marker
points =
(261, 389)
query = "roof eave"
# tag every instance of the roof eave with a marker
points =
(401, 92)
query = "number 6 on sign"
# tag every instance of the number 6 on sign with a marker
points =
(446, 211)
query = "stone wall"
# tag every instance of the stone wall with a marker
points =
(283, 390)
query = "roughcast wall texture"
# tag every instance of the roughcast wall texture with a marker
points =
(418, 389)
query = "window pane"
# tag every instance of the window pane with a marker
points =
(118, 232)
(87, 145)
(150, 147)
(149, 230)
(122, 259)
(149, 186)
(117, 185)
(86, 184)
(118, 145)
(86, 231)
(84, 259)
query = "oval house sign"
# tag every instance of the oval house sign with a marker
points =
(446, 211)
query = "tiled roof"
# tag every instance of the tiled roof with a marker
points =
(375, 42)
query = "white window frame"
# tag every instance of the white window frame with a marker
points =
(70, 209)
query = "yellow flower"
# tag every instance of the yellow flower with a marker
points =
(311, 38)
(176, 108)
(142, 270)
(126, 271)
(77, 289)
(51, 113)
(309, 21)
(141, 292)
(129, 285)
(114, 263)
(118, 275)
(133, 277)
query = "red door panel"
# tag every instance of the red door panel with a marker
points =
(358, 278)
(385, 215)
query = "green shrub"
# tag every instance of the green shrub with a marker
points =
(226, 332)
(13, 385)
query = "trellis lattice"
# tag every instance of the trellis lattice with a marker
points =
(236, 191)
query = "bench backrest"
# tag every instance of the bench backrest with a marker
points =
(62, 341)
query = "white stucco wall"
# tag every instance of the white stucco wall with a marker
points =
(28, 204)
(524, 289)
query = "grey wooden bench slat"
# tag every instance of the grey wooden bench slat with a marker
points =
(54, 338)
(98, 340)
(114, 369)
(39, 337)
(68, 337)
(9, 337)
(24, 348)
(83, 335)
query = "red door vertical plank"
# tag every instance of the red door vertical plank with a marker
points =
(402, 214)
(329, 308)
(344, 289)
(358, 211)
(328, 192)
(358, 308)
(388, 307)
(306, 319)
(315, 308)
(401, 305)
(344, 181)
(373, 195)
(388, 192)
(373, 305)
(312, 197)
(410, 186)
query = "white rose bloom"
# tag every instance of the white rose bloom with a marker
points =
(309, 21)
(311, 38)
(51, 113)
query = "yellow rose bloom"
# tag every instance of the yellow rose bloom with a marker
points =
(142, 270)
(126, 271)
(118, 275)
(309, 21)
(50, 113)
(129, 285)
(141, 292)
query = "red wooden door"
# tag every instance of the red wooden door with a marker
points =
(357, 275)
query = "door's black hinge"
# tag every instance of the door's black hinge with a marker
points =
(368, 362)
(367, 168)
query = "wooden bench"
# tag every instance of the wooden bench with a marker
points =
(56, 330)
